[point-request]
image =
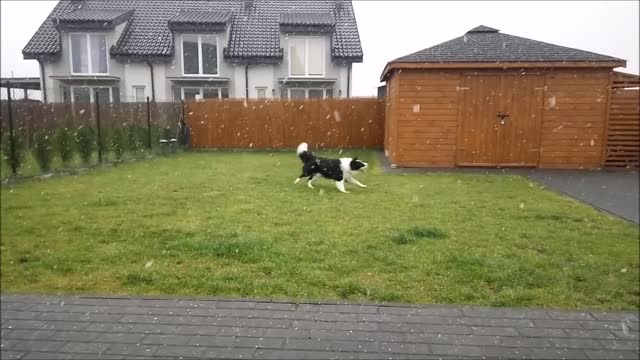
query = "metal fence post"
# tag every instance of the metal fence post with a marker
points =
(97, 99)
(12, 143)
(148, 123)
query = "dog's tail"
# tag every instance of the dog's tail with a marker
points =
(303, 152)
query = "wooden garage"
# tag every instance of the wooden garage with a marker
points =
(497, 100)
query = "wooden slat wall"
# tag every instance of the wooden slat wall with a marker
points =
(273, 124)
(574, 119)
(426, 137)
(623, 129)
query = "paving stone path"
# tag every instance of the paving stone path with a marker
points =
(50, 327)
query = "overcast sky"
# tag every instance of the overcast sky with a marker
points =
(390, 29)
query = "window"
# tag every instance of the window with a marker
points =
(84, 94)
(199, 93)
(88, 53)
(310, 93)
(261, 92)
(199, 54)
(306, 56)
(138, 94)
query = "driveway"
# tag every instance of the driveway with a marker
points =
(612, 191)
(615, 192)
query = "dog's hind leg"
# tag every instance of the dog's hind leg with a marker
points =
(340, 186)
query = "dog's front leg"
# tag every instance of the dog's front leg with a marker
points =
(353, 180)
(340, 186)
(311, 180)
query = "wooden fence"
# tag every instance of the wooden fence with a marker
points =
(623, 127)
(276, 124)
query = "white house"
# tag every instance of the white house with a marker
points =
(170, 50)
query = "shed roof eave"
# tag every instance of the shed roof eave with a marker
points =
(500, 65)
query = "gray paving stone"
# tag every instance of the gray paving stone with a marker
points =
(558, 354)
(404, 348)
(171, 351)
(217, 341)
(395, 310)
(590, 333)
(22, 324)
(620, 344)
(219, 328)
(542, 332)
(557, 324)
(276, 306)
(131, 350)
(11, 354)
(560, 315)
(481, 351)
(15, 306)
(604, 325)
(84, 348)
(167, 339)
(258, 343)
(492, 330)
(65, 325)
(37, 345)
(100, 357)
(122, 338)
(44, 356)
(300, 354)
(505, 313)
(566, 343)
(609, 354)
(615, 316)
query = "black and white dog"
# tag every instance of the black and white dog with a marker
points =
(339, 170)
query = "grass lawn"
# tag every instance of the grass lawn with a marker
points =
(233, 224)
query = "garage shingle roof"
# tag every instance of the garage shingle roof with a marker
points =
(255, 31)
(485, 44)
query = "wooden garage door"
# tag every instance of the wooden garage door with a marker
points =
(500, 118)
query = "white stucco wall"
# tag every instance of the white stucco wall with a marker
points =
(137, 73)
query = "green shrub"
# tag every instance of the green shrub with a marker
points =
(136, 137)
(86, 143)
(64, 145)
(43, 150)
(20, 147)
(167, 134)
(117, 143)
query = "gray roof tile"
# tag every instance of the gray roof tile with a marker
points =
(295, 18)
(202, 17)
(92, 15)
(485, 44)
(254, 32)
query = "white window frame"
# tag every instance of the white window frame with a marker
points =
(306, 92)
(306, 56)
(88, 53)
(201, 91)
(144, 96)
(200, 67)
(258, 88)
(92, 92)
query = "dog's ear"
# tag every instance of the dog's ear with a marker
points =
(355, 158)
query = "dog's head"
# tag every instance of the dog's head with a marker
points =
(358, 165)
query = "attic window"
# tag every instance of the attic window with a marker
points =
(88, 54)
(306, 56)
(199, 55)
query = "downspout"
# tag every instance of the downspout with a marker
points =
(44, 81)
(246, 80)
(153, 83)
(349, 80)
